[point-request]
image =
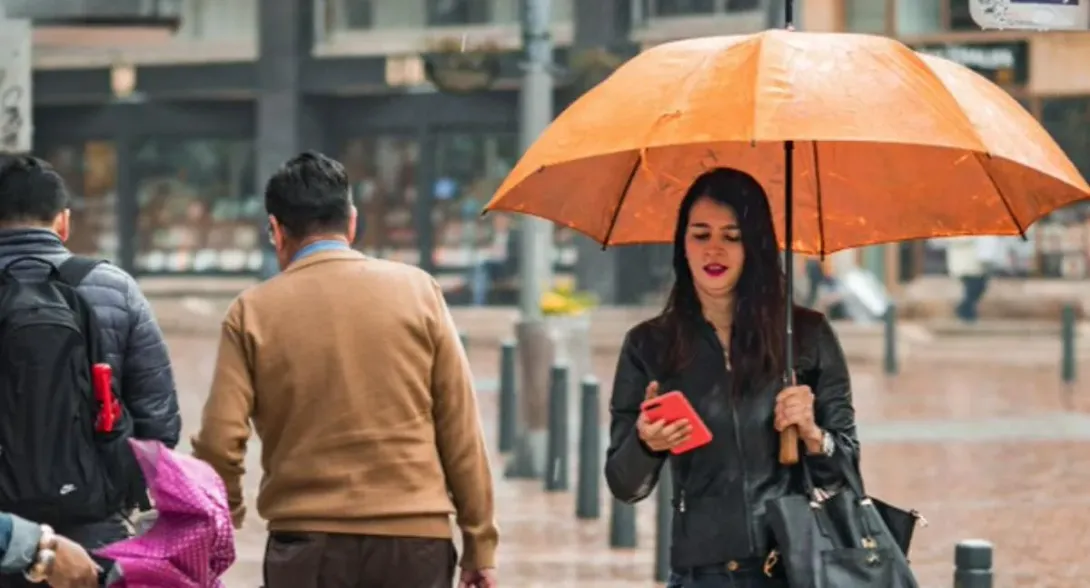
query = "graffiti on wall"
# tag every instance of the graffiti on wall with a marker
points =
(15, 99)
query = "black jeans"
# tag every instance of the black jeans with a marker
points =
(720, 577)
(974, 288)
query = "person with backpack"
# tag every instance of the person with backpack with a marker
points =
(83, 368)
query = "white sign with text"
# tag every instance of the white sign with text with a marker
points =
(16, 129)
(1060, 15)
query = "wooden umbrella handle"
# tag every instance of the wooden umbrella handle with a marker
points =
(789, 446)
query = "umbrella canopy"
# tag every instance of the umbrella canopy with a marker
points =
(889, 144)
(192, 542)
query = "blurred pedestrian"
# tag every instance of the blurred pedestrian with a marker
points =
(720, 341)
(353, 374)
(36, 553)
(973, 260)
(60, 314)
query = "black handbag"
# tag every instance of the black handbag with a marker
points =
(842, 540)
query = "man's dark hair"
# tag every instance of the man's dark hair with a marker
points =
(31, 191)
(308, 195)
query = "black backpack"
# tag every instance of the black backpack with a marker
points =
(55, 468)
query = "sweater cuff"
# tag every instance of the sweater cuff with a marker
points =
(479, 551)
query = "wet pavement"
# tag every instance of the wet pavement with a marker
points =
(983, 451)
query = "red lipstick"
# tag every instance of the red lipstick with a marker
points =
(715, 269)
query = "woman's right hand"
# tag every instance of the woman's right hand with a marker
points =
(658, 435)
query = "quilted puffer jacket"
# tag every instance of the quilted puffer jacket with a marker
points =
(131, 339)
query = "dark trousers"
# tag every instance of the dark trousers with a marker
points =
(748, 575)
(324, 560)
(973, 291)
(91, 537)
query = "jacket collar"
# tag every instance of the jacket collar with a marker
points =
(322, 257)
(37, 241)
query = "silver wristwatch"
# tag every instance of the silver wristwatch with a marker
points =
(828, 447)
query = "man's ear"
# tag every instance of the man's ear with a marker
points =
(62, 224)
(353, 223)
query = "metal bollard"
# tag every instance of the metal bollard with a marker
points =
(890, 320)
(1067, 342)
(622, 525)
(588, 493)
(664, 520)
(973, 564)
(508, 426)
(556, 473)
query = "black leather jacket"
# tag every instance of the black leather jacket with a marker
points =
(720, 489)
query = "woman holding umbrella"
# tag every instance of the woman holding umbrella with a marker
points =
(806, 118)
(720, 342)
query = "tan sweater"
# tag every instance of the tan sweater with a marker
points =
(353, 375)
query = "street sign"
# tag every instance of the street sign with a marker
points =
(16, 129)
(1066, 15)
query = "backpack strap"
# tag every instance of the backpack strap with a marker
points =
(72, 272)
(75, 269)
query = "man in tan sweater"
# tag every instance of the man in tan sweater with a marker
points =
(351, 370)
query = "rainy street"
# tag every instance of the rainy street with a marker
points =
(982, 450)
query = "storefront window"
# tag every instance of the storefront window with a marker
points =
(360, 15)
(1063, 238)
(383, 175)
(90, 172)
(865, 16)
(199, 211)
(475, 257)
(684, 7)
(700, 7)
(917, 17)
(458, 12)
(921, 17)
(960, 17)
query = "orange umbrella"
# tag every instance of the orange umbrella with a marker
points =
(889, 144)
(857, 139)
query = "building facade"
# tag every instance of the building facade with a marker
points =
(1045, 71)
(165, 137)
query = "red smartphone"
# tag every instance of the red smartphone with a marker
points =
(673, 406)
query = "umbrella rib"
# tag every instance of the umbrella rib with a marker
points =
(820, 207)
(620, 202)
(1002, 197)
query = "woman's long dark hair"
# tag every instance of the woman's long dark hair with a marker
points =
(759, 325)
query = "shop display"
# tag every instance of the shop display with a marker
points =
(89, 171)
(198, 211)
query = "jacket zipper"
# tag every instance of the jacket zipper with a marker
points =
(738, 443)
(745, 479)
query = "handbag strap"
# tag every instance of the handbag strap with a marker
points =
(846, 467)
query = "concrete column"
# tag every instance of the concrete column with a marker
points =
(599, 24)
(285, 123)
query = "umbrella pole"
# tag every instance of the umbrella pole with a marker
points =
(789, 439)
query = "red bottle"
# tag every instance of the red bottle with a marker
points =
(109, 410)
